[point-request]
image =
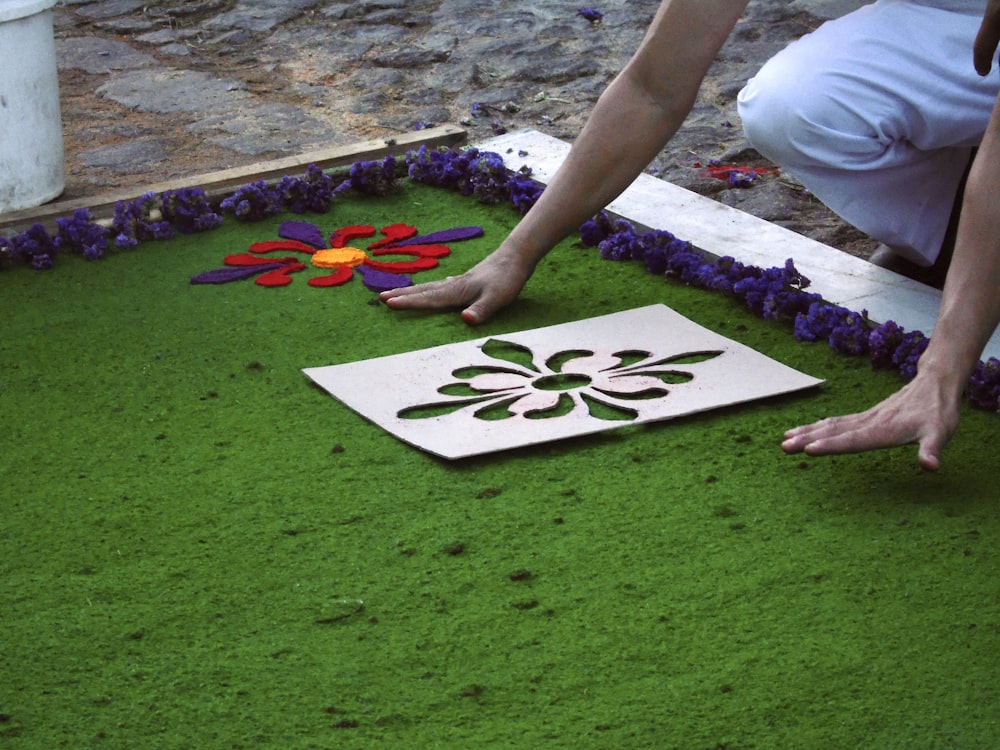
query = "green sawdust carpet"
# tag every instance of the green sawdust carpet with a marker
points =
(202, 550)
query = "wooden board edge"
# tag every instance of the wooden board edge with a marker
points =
(220, 183)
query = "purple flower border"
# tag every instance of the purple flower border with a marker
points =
(780, 294)
(774, 293)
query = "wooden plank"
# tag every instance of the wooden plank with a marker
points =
(219, 184)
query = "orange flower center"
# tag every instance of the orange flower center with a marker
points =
(339, 257)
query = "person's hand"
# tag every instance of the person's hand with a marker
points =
(490, 285)
(921, 412)
(988, 38)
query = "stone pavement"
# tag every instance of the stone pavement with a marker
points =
(155, 90)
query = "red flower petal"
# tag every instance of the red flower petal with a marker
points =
(403, 266)
(246, 259)
(345, 235)
(421, 251)
(271, 245)
(338, 277)
(394, 233)
(279, 276)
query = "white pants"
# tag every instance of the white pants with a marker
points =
(876, 113)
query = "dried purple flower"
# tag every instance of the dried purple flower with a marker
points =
(486, 178)
(819, 322)
(851, 334)
(188, 210)
(312, 193)
(618, 246)
(524, 192)
(594, 231)
(908, 353)
(33, 246)
(253, 202)
(984, 385)
(133, 221)
(80, 234)
(376, 178)
(883, 341)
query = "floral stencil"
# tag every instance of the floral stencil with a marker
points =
(520, 389)
(601, 384)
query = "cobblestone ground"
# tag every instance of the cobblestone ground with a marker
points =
(156, 90)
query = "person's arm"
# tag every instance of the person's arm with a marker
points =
(926, 410)
(632, 121)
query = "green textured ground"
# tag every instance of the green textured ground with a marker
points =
(198, 549)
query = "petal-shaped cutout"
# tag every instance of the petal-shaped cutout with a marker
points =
(685, 358)
(394, 233)
(224, 275)
(584, 362)
(421, 251)
(600, 409)
(271, 246)
(444, 236)
(338, 277)
(345, 235)
(303, 231)
(629, 357)
(468, 373)
(496, 409)
(536, 401)
(280, 276)
(508, 351)
(497, 381)
(382, 281)
(629, 386)
(402, 266)
(440, 409)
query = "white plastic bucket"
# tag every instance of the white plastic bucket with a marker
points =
(31, 144)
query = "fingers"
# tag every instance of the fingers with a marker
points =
(432, 295)
(987, 39)
(871, 430)
(929, 455)
(453, 292)
(475, 314)
(851, 434)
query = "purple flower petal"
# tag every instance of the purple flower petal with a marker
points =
(443, 237)
(303, 231)
(380, 281)
(232, 273)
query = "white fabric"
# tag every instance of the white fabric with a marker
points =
(876, 113)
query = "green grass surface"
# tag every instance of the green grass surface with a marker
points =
(199, 549)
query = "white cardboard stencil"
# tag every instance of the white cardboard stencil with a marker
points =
(627, 368)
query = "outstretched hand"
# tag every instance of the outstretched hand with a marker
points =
(484, 289)
(921, 412)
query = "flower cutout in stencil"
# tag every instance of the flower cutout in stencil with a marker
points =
(339, 258)
(601, 384)
(624, 369)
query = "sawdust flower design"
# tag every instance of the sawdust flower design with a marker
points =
(340, 258)
(604, 385)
